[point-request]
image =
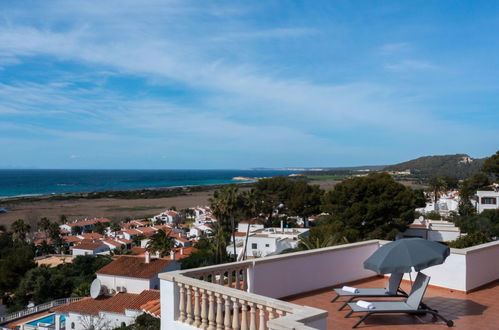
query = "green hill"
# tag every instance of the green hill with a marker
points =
(461, 166)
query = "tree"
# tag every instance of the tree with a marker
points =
(20, 229)
(160, 242)
(137, 240)
(63, 219)
(121, 250)
(472, 239)
(491, 165)
(44, 224)
(224, 206)
(115, 227)
(304, 200)
(218, 240)
(94, 322)
(76, 230)
(468, 190)
(437, 185)
(375, 206)
(100, 228)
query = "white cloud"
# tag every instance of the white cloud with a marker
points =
(410, 65)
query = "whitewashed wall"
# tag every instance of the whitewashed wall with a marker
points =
(294, 273)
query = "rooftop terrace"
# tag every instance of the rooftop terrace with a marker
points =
(475, 310)
(249, 294)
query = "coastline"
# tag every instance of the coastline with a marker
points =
(115, 205)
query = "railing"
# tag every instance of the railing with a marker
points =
(216, 297)
(245, 295)
(37, 309)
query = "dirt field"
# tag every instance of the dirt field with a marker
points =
(105, 207)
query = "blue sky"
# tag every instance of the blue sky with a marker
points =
(229, 84)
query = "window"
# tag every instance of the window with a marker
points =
(267, 245)
(254, 246)
(489, 200)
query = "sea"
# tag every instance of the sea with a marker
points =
(33, 182)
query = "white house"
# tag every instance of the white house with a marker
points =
(487, 199)
(197, 231)
(446, 203)
(243, 226)
(84, 225)
(134, 274)
(104, 312)
(268, 241)
(433, 230)
(169, 216)
(89, 248)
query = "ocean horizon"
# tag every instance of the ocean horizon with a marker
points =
(36, 182)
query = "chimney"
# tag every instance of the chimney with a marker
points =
(148, 257)
(172, 255)
(157, 255)
(179, 235)
(282, 226)
(182, 251)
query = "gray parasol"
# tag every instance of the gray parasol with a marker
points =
(401, 255)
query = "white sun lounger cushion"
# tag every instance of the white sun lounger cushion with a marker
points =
(350, 289)
(365, 304)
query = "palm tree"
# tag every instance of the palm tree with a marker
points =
(44, 224)
(115, 227)
(121, 250)
(310, 243)
(251, 208)
(224, 204)
(20, 229)
(218, 240)
(437, 185)
(136, 240)
(160, 242)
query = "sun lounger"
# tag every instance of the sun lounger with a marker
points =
(412, 305)
(392, 290)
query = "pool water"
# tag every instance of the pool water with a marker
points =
(50, 319)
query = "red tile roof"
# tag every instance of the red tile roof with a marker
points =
(134, 266)
(91, 236)
(71, 239)
(153, 308)
(116, 304)
(91, 246)
(88, 222)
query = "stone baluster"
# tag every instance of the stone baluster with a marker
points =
(244, 316)
(204, 309)
(213, 277)
(227, 319)
(188, 305)
(197, 314)
(229, 278)
(245, 280)
(271, 313)
(211, 311)
(222, 278)
(261, 313)
(280, 313)
(235, 314)
(220, 316)
(238, 285)
(181, 305)
(252, 316)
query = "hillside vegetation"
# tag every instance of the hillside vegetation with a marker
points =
(460, 166)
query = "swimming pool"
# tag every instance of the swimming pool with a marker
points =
(50, 319)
